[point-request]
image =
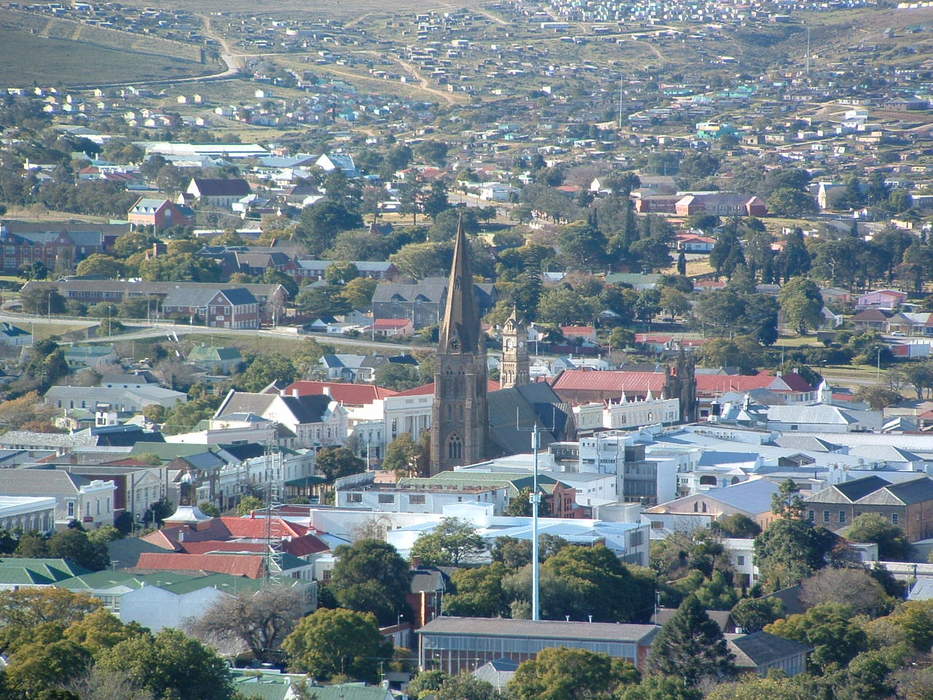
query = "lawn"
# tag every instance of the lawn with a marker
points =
(29, 58)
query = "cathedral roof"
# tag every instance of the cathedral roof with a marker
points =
(460, 330)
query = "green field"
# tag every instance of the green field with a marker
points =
(27, 58)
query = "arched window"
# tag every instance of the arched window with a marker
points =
(454, 447)
(735, 479)
(707, 481)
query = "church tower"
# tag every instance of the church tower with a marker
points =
(514, 368)
(459, 415)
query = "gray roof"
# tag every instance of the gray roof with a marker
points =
(200, 297)
(143, 288)
(752, 496)
(859, 488)
(245, 402)
(538, 629)
(526, 405)
(910, 492)
(40, 482)
(427, 290)
(818, 413)
(921, 590)
(217, 187)
(805, 442)
(763, 648)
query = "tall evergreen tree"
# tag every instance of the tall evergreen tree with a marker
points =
(691, 646)
(796, 258)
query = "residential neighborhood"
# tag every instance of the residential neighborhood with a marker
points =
(524, 349)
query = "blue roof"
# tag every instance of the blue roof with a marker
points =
(751, 496)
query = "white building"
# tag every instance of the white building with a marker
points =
(77, 498)
(626, 415)
(27, 513)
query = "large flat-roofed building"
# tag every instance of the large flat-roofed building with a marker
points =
(27, 513)
(463, 644)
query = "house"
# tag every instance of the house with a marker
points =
(911, 324)
(217, 308)
(870, 320)
(77, 498)
(907, 504)
(121, 399)
(14, 335)
(393, 327)
(761, 653)
(750, 498)
(720, 204)
(317, 269)
(30, 572)
(271, 298)
(215, 359)
(463, 644)
(159, 214)
(57, 247)
(693, 243)
(883, 299)
(217, 192)
(497, 672)
(423, 301)
(94, 356)
(329, 162)
(316, 420)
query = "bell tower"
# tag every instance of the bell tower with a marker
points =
(514, 368)
(459, 416)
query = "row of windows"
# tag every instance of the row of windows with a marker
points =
(513, 645)
(828, 516)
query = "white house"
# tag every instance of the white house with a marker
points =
(316, 420)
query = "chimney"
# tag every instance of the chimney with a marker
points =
(295, 393)
(326, 391)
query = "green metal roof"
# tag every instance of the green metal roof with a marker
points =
(44, 571)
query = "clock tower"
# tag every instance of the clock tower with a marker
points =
(514, 368)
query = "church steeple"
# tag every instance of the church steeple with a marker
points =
(514, 368)
(460, 331)
(459, 415)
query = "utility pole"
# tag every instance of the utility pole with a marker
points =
(808, 50)
(535, 566)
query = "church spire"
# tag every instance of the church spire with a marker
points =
(460, 330)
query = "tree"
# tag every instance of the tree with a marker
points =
(341, 273)
(802, 304)
(101, 630)
(74, 545)
(716, 593)
(335, 462)
(878, 397)
(563, 305)
(873, 527)
(830, 629)
(402, 455)
(261, 620)
(171, 665)
(42, 299)
(659, 688)
(100, 265)
(265, 369)
(742, 352)
(691, 646)
(583, 246)
(320, 223)
(736, 525)
(397, 376)
(795, 260)
(359, 292)
(674, 302)
(432, 152)
(752, 614)
(727, 252)
(791, 203)
(521, 505)
(720, 310)
(478, 592)
(790, 550)
(853, 587)
(436, 200)
(426, 684)
(452, 541)
(333, 642)
(419, 260)
(370, 576)
(24, 610)
(559, 673)
(40, 666)
(248, 504)
(466, 687)
(447, 221)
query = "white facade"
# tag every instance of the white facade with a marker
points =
(27, 513)
(412, 500)
(92, 506)
(267, 473)
(155, 607)
(406, 414)
(626, 415)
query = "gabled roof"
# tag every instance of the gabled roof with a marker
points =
(753, 496)
(859, 488)
(218, 187)
(918, 490)
(350, 394)
(761, 648)
(248, 565)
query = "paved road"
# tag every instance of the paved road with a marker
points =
(163, 330)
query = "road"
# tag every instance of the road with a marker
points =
(163, 330)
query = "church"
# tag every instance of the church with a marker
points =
(469, 423)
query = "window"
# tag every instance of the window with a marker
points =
(740, 560)
(416, 500)
(454, 447)
(894, 518)
(810, 515)
(826, 516)
(354, 498)
(795, 427)
(71, 509)
(842, 517)
(657, 525)
(386, 498)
